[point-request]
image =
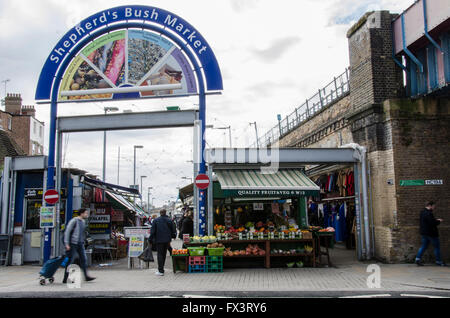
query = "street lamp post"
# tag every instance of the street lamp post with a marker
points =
(134, 169)
(106, 109)
(142, 177)
(148, 199)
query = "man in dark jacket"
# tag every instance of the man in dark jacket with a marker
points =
(430, 233)
(162, 232)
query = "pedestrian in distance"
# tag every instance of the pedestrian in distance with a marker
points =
(429, 232)
(74, 237)
(162, 232)
(188, 226)
(180, 224)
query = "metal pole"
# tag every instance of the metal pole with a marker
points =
(134, 167)
(56, 251)
(229, 130)
(359, 244)
(51, 171)
(210, 202)
(118, 167)
(365, 202)
(5, 195)
(104, 160)
(148, 201)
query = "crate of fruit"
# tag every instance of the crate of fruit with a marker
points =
(196, 251)
(181, 252)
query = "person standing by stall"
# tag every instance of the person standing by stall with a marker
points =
(74, 242)
(162, 232)
(187, 227)
(430, 233)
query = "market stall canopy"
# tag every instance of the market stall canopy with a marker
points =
(124, 203)
(186, 192)
(252, 182)
(118, 194)
(110, 187)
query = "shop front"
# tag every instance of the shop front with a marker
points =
(112, 210)
(261, 219)
(259, 208)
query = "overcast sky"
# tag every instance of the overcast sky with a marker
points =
(273, 56)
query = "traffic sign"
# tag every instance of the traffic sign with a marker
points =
(51, 196)
(202, 181)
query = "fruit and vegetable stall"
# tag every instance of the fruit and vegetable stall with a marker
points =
(250, 246)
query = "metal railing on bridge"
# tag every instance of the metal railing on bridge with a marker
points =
(335, 90)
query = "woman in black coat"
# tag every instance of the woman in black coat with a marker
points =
(187, 227)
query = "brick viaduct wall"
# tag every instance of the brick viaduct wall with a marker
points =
(405, 139)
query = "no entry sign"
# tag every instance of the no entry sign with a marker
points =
(51, 196)
(202, 181)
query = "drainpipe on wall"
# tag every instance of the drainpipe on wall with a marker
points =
(363, 160)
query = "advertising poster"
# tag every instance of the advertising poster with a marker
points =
(136, 246)
(47, 217)
(100, 219)
(128, 58)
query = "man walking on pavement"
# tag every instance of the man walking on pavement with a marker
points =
(430, 233)
(162, 232)
(74, 242)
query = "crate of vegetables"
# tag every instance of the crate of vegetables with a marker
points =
(215, 249)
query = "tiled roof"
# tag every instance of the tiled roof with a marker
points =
(8, 147)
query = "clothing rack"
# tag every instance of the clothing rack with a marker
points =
(338, 199)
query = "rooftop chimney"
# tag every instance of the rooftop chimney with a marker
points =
(13, 104)
(28, 110)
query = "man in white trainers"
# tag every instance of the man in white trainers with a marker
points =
(162, 232)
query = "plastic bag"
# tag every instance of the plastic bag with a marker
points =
(147, 255)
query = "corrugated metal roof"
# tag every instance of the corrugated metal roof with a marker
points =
(283, 179)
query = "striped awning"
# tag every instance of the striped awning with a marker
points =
(254, 179)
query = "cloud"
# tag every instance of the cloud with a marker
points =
(347, 12)
(243, 5)
(277, 49)
(268, 88)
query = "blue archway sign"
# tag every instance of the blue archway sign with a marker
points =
(75, 69)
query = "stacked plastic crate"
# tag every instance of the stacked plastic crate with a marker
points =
(197, 260)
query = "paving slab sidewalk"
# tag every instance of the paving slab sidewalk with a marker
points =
(349, 275)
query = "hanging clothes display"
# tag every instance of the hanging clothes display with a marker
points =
(341, 231)
(350, 184)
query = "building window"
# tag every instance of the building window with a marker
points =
(34, 149)
(34, 128)
(9, 123)
(41, 131)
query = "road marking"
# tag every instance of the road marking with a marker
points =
(421, 296)
(368, 296)
(201, 296)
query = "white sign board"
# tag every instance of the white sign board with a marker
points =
(258, 206)
(135, 246)
(100, 219)
(47, 217)
(434, 182)
(137, 231)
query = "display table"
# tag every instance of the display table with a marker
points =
(324, 239)
(267, 247)
(180, 262)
